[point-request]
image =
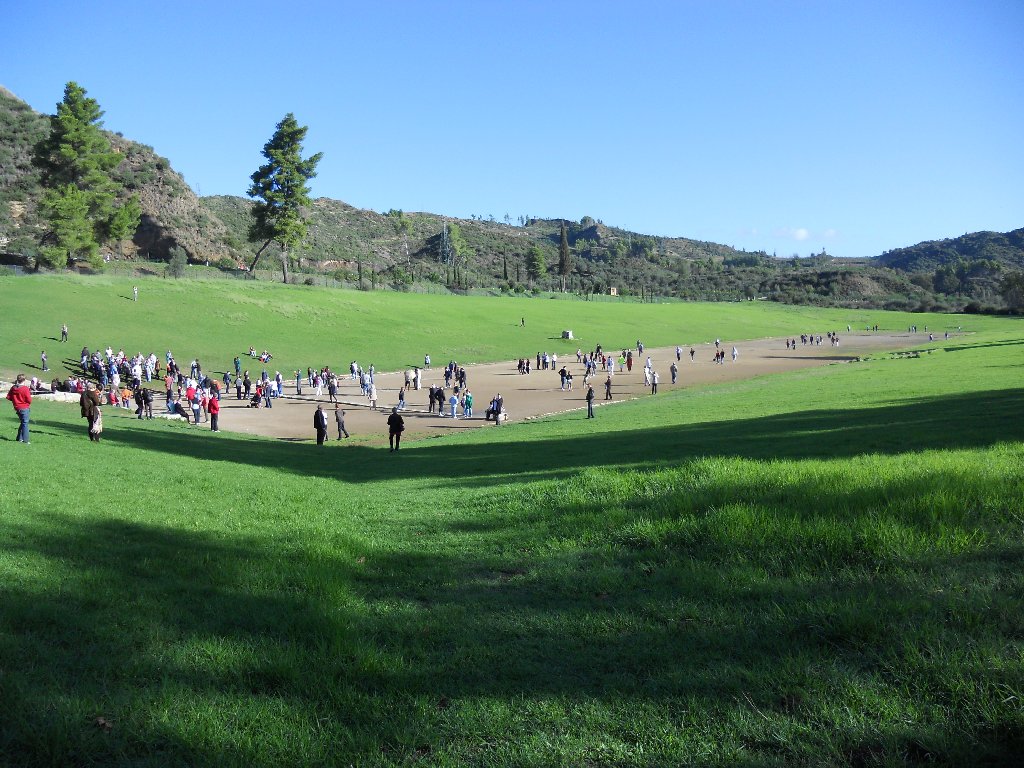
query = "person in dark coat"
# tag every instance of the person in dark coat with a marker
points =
(396, 426)
(139, 402)
(90, 405)
(339, 417)
(320, 424)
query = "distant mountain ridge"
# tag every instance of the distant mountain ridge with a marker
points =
(400, 248)
(1002, 247)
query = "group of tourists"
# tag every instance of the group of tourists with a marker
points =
(115, 378)
(810, 339)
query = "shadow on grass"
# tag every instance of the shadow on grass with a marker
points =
(963, 421)
(186, 642)
(1002, 343)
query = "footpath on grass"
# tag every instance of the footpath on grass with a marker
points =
(537, 394)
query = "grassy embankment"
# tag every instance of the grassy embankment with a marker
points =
(305, 326)
(820, 568)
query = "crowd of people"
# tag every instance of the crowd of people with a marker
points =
(114, 378)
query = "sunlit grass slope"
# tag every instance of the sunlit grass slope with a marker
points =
(304, 326)
(822, 568)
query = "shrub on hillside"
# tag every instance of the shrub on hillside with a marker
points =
(178, 262)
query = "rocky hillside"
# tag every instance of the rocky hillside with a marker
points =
(172, 214)
(399, 249)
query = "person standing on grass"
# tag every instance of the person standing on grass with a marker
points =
(320, 424)
(396, 426)
(339, 418)
(63, 332)
(89, 403)
(674, 370)
(20, 395)
(42, 359)
(135, 292)
(654, 382)
(590, 402)
(608, 388)
(214, 408)
(196, 403)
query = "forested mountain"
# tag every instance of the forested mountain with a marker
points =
(402, 249)
(1005, 248)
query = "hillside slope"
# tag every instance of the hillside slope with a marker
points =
(1006, 248)
(171, 211)
(399, 249)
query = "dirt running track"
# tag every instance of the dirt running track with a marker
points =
(537, 394)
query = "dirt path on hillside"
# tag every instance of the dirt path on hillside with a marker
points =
(537, 394)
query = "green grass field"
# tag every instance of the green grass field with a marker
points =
(303, 326)
(817, 568)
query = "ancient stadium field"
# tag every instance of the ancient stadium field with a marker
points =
(816, 566)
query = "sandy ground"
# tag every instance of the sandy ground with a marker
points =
(537, 394)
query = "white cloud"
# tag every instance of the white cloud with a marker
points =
(830, 234)
(793, 233)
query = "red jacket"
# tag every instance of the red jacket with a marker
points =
(213, 406)
(20, 396)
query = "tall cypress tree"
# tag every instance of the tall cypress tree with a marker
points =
(76, 160)
(564, 259)
(281, 192)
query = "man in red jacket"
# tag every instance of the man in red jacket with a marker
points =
(214, 409)
(20, 396)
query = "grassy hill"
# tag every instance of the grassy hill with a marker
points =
(398, 250)
(306, 326)
(821, 568)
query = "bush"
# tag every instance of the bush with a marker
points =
(178, 262)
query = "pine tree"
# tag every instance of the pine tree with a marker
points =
(75, 160)
(124, 222)
(535, 263)
(564, 259)
(71, 229)
(281, 191)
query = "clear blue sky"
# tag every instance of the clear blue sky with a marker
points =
(784, 126)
